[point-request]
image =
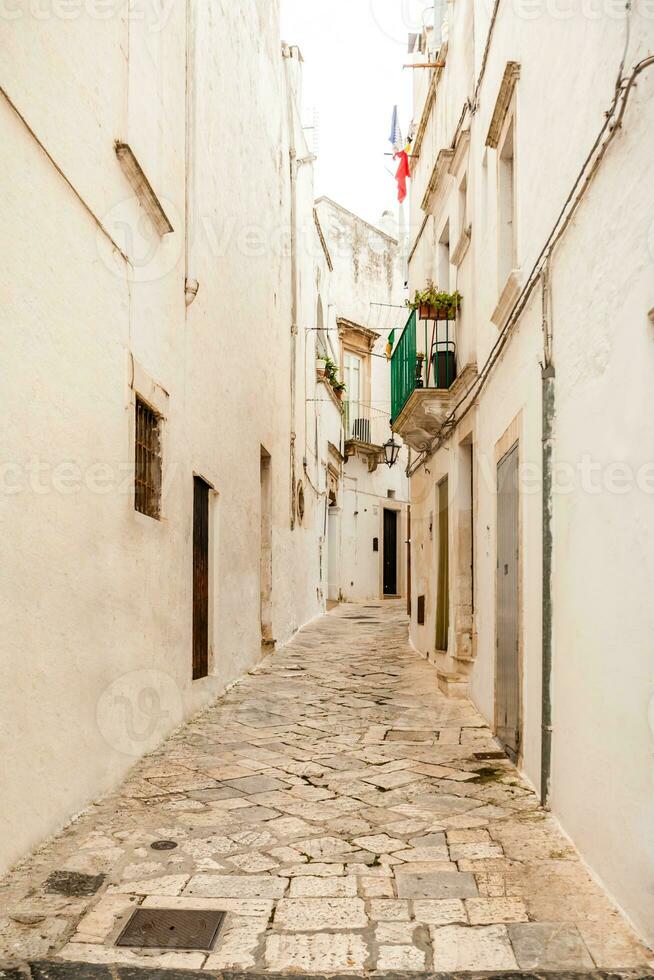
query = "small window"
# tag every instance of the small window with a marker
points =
(506, 209)
(147, 474)
(444, 259)
(421, 610)
(463, 204)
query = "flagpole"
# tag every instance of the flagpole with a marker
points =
(404, 241)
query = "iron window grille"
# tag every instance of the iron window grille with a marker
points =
(147, 473)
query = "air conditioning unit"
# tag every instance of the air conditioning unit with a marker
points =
(361, 430)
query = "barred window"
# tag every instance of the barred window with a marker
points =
(147, 478)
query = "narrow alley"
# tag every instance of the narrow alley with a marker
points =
(345, 816)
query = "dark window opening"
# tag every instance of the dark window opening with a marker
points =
(147, 471)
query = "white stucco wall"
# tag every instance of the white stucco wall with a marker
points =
(601, 293)
(96, 611)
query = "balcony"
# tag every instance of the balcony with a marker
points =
(366, 429)
(426, 380)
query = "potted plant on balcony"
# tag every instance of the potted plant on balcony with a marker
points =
(420, 357)
(321, 365)
(433, 303)
(339, 388)
(331, 371)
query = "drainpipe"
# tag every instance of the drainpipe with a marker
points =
(288, 54)
(191, 286)
(548, 376)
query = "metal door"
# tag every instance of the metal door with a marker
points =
(200, 578)
(390, 552)
(507, 668)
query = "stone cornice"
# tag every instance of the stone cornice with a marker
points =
(502, 103)
(460, 152)
(361, 336)
(143, 188)
(508, 297)
(441, 168)
(462, 246)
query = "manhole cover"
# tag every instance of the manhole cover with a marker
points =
(486, 756)
(171, 929)
(163, 845)
(72, 884)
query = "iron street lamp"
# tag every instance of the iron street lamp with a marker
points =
(391, 452)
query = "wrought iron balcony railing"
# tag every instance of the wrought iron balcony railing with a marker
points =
(433, 366)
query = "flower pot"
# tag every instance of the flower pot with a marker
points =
(339, 393)
(419, 368)
(429, 312)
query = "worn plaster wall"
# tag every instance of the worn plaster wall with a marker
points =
(96, 608)
(601, 293)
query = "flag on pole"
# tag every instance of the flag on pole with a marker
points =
(395, 138)
(403, 173)
(389, 344)
(401, 153)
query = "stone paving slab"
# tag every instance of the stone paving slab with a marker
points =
(333, 806)
(83, 971)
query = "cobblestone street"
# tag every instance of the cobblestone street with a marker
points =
(344, 814)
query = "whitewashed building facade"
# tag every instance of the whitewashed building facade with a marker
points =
(170, 453)
(367, 527)
(159, 532)
(531, 473)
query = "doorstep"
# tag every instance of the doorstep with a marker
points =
(452, 685)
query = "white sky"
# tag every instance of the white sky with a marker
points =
(353, 52)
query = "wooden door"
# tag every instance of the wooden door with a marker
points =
(200, 578)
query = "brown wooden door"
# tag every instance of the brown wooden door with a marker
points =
(200, 578)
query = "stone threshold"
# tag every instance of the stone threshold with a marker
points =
(56, 970)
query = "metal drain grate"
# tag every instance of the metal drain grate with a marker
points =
(171, 929)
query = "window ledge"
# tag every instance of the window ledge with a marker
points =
(507, 299)
(330, 391)
(462, 246)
